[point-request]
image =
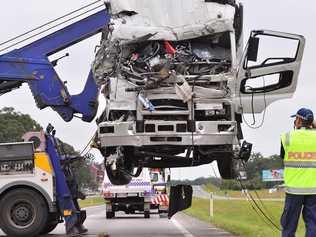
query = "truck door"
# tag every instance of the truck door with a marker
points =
(269, 69)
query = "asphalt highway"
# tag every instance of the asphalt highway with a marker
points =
(136, 226)
(122, 225)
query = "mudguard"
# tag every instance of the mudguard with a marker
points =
(180, 199)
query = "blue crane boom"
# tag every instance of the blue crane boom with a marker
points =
(31, 64)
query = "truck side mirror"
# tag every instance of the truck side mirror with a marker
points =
(253, 47)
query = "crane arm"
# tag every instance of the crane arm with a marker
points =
(31, 64)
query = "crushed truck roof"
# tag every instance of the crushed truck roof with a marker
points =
(170, 20)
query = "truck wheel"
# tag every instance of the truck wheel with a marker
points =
(110, 214)
(225, 167)
(147, 214)
(23, 212)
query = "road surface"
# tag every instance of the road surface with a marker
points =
(136, 226)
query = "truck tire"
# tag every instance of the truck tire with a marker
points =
(110, 214)
(146, 214)
(23, 212)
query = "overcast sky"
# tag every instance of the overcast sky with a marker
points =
(291, 16)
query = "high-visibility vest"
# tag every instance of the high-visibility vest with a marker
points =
(300, 161)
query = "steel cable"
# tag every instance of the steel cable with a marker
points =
(254, 205)
(50, 28)
(260, 209)
(89, 142)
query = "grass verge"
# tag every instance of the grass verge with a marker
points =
(239, 218)
(91, 201)
(264, 193)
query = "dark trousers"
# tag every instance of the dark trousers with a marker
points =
(292, 211)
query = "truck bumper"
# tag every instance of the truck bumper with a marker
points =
(125, 204)
(167, 133)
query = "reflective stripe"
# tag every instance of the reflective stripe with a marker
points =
(287, 139)
(299, 164)
(300, 190)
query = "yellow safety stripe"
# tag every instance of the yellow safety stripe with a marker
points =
(42, 162)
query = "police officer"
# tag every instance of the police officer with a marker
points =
(298, 150)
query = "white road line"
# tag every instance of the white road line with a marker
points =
(181, 228)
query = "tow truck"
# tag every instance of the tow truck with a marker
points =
(34, 192)
(174, 83)
(28, 175)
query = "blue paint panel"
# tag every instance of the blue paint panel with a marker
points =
(64, 198)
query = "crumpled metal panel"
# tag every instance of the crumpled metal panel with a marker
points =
(119, 98)
(170, 20)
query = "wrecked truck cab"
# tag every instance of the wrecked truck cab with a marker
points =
(176, 81)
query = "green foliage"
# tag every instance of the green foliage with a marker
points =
(92, 201)
(199, 181)
(13, 125)
(252, 184)
(85, 177)
(257, 163)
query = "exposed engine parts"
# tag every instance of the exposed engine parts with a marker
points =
(153, 64)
